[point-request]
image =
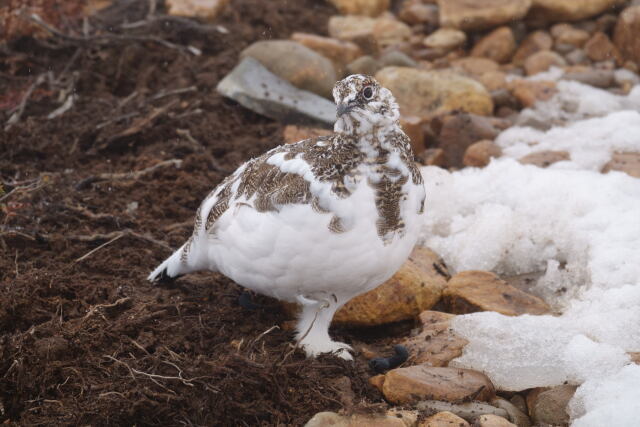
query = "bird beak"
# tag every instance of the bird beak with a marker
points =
(345, 108)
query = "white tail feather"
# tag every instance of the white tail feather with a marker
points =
(171, 267)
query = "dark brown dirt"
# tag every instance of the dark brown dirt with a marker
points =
(89, 340)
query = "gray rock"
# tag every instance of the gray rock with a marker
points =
(577, 56)
(469, 411)
(623, 76)
(366, 64)
(259, 90)
(516, 416)
(304, 68)
(592, 77)
(549, 405)
(397, 58)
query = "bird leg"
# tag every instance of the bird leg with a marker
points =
(313, 328)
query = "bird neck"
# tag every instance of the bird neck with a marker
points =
(377, 140)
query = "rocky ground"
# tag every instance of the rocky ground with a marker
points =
(114, 131)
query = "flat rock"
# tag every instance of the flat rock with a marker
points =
(444, 419)
(568, 34)
(394, 418)
(534, 42)
(459, 131)
(204, 9)
(480, 153)
(356, 29)
(396, 58)
(424, 94)
(416, 12)
(340, 52)
(361, 7)
(573, 10)
(499, 45)
(576, 57)
(600, 48)
(514, 414)
(259, 90)
(366, 64)
(528, 92)
(416, 287)
(389, 32)
(542, 61)
(472, 291)
(590, 76)
(445, 38)
(293, 133)
(490, 420)
(626, 32)
(475, 67)
(549, 405)
(468, 411)
(494, 81)
(628, 163)
(544, 158)
(433, 157)
(436, 344)
(403, 386)
(482, 14)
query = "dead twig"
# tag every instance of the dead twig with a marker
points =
(120, 302)
(17, 114)
(165, 93)
(113, 235)
(127, 175)
(66, 106)
(153, 377)
(88, 254)
(40, 182)
(139, 124)
(107, 38)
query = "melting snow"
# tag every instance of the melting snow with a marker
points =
(580, 227)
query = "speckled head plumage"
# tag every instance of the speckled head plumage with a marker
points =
(363, 104)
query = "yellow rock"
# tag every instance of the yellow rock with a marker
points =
(624, 162)
(416, 287)
(444, 419)
(472, 291)
(472, 15)
(490, 420)
(572, 10)
(361, 7)
(427, 93)
(626, 34)
(405, 386)
(499, 45)
(480, 153)
(205, 9)
(436, 344)
(340, 52)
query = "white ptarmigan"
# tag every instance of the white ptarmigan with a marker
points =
(317, 222)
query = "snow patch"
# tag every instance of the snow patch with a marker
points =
(581, 228)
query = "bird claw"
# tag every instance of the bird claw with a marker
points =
(338, 349)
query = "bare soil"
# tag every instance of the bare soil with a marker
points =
(84, 338)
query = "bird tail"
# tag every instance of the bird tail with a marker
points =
(171, 267)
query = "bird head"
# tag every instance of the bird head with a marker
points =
(363, 105)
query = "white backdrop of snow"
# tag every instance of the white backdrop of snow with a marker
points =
(581, 227)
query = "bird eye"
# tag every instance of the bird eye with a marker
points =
(367, 92)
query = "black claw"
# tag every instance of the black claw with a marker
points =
(383, 364)
(163, 278)
(245, 301)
